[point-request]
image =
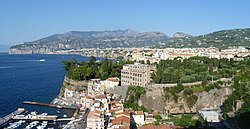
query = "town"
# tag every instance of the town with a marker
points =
(136, 98)
(155, 55)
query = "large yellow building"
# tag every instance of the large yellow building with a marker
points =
(136, 74)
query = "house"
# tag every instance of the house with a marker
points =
(139, 117)
(98, 105)
(115, 104)
(102, 98)
(95, 120)
(210, 116)
(110, 82)
(69, 92)
(121, 122)
(149, 117)
(87, 101)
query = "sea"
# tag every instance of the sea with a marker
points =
(29, 78)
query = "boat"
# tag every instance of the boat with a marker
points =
(16, 124)
(44, 114)
(42, 60)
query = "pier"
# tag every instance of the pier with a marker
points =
(40, 118)
(35, 117)
(4, 120)
(51, 105)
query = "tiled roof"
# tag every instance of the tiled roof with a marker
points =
(102, 96)
(120, 120)
(151, 126)
(139, 113)
(124, 127)
(113, 79)
(123, 114)
(162, 126)
(87, 97)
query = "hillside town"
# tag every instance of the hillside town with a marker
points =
(155, 55)
(103, 102)
(106, 110)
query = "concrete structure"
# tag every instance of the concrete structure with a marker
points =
(136, 74)
(210, 116)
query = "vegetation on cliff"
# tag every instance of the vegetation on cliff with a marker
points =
(205, 70)
(134, 93)
(193, 69)
(93, 69)
(187, 120)
(242, 89)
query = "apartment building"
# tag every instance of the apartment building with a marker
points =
(136, 74)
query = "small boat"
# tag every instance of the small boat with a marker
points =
(42, 60)
(44, 114)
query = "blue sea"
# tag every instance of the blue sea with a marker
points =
(25, 78)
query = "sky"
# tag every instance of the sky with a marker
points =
(29, 20)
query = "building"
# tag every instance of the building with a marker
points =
(139, 117)
(210, 116)
(95, 120)
(69, 92)
(136, 74)
(110, 82)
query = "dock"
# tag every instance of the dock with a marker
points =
(51, 105)
(4, 120)
(40, 118)
(35, 117)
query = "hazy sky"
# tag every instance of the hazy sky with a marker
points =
(28, 20)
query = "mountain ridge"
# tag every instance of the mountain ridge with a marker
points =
(131, 38)
(89, 39)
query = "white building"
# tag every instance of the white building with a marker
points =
(210, 116)
(139, 117)
(69, 92)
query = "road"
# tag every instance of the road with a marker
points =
(82, 123)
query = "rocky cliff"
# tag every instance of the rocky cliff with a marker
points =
(154, 99)
(89, 39)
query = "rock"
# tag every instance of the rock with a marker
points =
(154, 99)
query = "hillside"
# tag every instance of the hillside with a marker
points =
(90, 39)
(220, 39)
(130, 38)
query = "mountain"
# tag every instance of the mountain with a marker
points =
(4, 48)
(181, 35)
(220, 39)
(90, 39)
(131, 38)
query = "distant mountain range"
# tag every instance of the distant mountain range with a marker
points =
(90, 39)
(131, 38)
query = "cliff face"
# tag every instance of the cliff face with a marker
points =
(89, 39)
(154, 99)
